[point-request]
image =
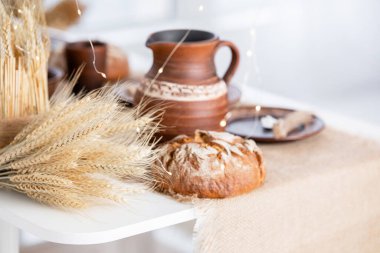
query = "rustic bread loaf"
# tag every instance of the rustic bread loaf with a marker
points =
(210, 165)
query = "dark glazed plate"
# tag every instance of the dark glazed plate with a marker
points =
(245, 121)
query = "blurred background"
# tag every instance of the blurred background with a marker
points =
(325, 53)
(322, 52)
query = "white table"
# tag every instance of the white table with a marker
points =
(145, 213)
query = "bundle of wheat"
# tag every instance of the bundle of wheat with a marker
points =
(24, 51)
(75, 154)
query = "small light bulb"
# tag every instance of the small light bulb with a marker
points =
(103, 75)
(201, 8)
(223, 123)
(138, 130)
(257, 108)
(78, 10)
(160, 70)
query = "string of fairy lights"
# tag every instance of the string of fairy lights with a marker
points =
(92, 47)
(250, 54)
(161, 69)
(78, 9)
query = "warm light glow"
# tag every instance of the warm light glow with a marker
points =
(138, 130)
(257, 108)
(94, 61)
(223, 123)
(160, 70)
(78, 10)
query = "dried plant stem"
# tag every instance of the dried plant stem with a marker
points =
(23, 60)
(76, 154)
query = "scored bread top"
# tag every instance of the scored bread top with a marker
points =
(216, 163)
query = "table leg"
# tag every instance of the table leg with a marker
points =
(9, 238)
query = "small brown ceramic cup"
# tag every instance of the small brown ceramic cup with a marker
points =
(78, 53)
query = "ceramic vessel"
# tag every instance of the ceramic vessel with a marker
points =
(189, 88)
(78, 53)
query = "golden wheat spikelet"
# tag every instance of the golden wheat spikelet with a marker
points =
(82, 151)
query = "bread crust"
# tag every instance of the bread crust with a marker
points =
(210, 165)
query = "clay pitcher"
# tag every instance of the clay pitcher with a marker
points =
(188, 85)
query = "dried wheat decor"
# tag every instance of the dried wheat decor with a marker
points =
(82, 151)
(73, 151)
(24, 51)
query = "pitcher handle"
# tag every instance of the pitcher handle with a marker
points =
(234, 59)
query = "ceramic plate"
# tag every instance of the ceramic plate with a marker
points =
(245, 121)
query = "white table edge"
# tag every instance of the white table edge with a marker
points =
(101, 236)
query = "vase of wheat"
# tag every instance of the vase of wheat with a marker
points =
(23, 67)
(71, 151)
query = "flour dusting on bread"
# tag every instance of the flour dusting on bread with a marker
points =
(211, 164)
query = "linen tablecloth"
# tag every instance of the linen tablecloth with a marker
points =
(321, 194)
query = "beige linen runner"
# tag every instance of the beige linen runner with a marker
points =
(321, 195)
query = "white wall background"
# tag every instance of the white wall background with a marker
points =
(324, 52)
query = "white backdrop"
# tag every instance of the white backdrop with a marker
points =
(324, 52)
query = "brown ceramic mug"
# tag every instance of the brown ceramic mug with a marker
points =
(195, 96)
(78, 53)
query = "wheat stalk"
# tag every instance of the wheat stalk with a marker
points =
(79, 152)
(23, 59)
